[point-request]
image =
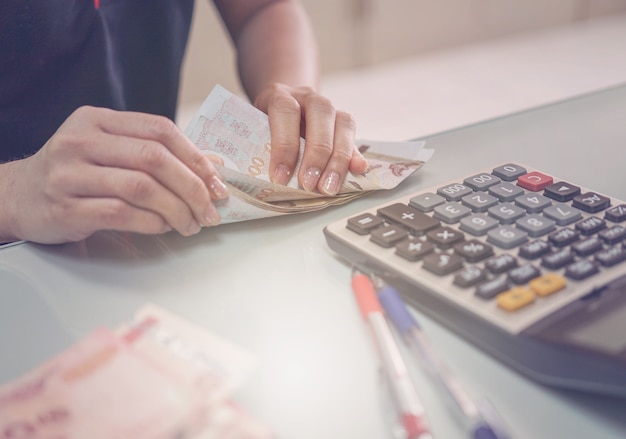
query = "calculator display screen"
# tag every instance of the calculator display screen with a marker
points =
(606, 333)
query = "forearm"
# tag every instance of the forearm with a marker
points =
(276, 44)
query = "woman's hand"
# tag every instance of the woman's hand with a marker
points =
(105, 169)
(329, 151)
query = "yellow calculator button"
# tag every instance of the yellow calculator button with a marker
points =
(547, 284)
(515, 298)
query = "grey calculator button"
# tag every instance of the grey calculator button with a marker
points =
(591, 225)
(533, 202)
(501, 263)
(469, 276)
(454, 191)
(509, 172)
(558, 259)
(523, 274)
(478, 224)
(561, 191)
(611, 256)
(491, 288)
(388, 236)
(426, 202)
(364, 223)
(507, 237)
(505, 191)
(613, 235)
(581, 269)
(563, 237)
(481, 182)
(616, 214)
(536, 225)
(587, 246)
(563, 214)
(479, 201)
(445, 237)
(451, 212)
(506, 213)
(417, 222)
(534, 249)
(414, 248)
(474, 250)
(442, 263)
(591, 202)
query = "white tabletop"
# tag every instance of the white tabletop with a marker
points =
(274, 287)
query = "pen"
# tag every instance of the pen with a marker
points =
(479, 418)
(407, 402)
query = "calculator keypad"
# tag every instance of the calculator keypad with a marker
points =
(513, 237)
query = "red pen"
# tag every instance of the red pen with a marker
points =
(403, 391)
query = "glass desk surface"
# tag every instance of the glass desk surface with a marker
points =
(274, 287)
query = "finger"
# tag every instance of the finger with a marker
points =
(93, 214)
(358, 163)
(164, 131)
(153, 159)
(319, 142)
(137, 189)
(284, 114)
(343, 149)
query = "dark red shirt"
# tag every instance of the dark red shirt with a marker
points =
(56, 55)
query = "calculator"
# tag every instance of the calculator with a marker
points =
(529, 267)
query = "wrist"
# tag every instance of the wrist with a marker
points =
(8, 201)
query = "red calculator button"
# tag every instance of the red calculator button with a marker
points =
(534, 181)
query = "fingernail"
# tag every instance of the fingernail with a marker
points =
(282, 174)
(331, 183)
(311, 176)
(211, 216)
(193, 227)
(218, 189)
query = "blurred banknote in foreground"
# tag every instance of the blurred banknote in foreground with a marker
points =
(231, 128)
(158, 377)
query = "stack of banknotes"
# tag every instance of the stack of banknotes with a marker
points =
(231, 128)
(158, 377)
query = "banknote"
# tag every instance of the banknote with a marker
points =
(158, 377)
(237, 132)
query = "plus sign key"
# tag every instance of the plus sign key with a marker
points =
(414, 220)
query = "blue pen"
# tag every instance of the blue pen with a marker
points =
(479, 418)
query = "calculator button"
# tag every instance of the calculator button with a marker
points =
(501, 263)
(581, 269)
(451, 212)
(474, 250)
(590, 225)
(477, 224)
(535, 225)
(507, 237)
(409, 217)
(506, 191)
(442, 263)
(445, 237)
(506, 213)
(547, 284)
(563, 237)
(426, 202)
(587, 246)
(534, 249)
(591, 202)
(469, 276)
(388, 236)
(515, 298)
(454, 191)
(611, 256)
(616, 214)
(563, 214)
(414, 248)
(534, 181)
(364, 223)
(613, 235)
(479, 201)
(558, 259)
(481, 182)
(524, 274)
(491, 288)
(561, 191)
(509, 172)
(533, 203)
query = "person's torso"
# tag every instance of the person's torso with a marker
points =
(60, 54)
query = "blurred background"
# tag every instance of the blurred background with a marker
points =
(409, 68)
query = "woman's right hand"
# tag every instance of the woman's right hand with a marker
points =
(106, 169)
